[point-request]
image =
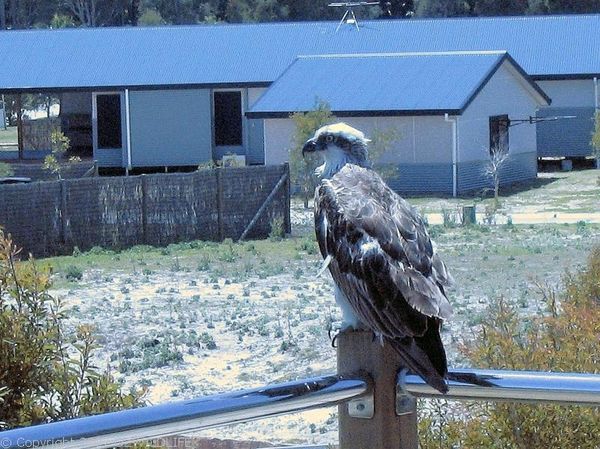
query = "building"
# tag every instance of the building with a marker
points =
(172, 96)
(446, 124)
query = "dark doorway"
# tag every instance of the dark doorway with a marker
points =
(228, 118)
(499, 126)
(109, 121)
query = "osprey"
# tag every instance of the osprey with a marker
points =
(387, 275)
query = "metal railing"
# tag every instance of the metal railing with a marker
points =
(513, 386)
(147, 423)
(184, 416)
(375, 413)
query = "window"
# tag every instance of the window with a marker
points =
(109, 121)
(499, 125)
(228, 118)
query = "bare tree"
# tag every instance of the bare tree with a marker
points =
(85, 11)
(596, 139)
(95, 13)
(2, 15)
(497, 160)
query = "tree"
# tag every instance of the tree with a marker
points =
(596, 139)
(86, 12)
(2, 15)
(177, 12)
(563, 6)
(60, 145)
(499, 7)
(442, 8)
(34, 102)
(11, 109)
(61, 21)
(493, 170)
(269, 11)
(20, 14)
(311, 10)
(302, 169)
(398, 9)
(96, 13)
(381, 143)
(46, 372)
(151, 17)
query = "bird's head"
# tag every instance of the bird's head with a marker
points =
(340, 144)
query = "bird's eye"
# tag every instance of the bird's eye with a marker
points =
(329, 138)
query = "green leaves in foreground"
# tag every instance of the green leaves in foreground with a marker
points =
(46, 373)
(564, 339)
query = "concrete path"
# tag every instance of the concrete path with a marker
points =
(530, 218)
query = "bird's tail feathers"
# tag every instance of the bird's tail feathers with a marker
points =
(418, 362)
(470, 378)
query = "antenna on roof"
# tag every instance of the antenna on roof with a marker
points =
(349, 16)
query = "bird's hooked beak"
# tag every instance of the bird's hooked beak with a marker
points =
(311, 146)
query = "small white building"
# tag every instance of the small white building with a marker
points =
(449, 110)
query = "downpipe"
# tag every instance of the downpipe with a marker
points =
(455, 141)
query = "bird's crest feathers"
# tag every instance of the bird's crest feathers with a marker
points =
(343, 128)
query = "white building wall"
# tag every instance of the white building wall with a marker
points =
(422, 139)
(505, 93)
(254, 93)
(278, 140)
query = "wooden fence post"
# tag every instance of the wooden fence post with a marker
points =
(359, 351)
(282, 182)
(219, 175)
(20, 144)
(64, 221)
(288, 193)
(144, 188)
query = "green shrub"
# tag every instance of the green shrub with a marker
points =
(449, 218)
(60, 145)
(6, 170)
(208, 341)
(302, 168)
(564, 339)
(46, 373)
(277, 232)
(228, 251)
(149, 353)
(73, 273)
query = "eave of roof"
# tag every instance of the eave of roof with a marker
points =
(358, 113)
(134, 87)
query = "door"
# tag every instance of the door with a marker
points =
(107, 129)
(228, 110)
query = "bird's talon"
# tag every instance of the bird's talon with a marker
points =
(333, 335)
(334, 340)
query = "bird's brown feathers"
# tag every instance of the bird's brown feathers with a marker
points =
(383, 261)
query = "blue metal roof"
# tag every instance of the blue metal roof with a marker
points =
(381, 84)
(256, 54)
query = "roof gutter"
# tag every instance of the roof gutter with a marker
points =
(455, 143)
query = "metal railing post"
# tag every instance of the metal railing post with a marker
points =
(373, 422)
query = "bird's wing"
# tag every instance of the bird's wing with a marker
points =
(382, 257)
